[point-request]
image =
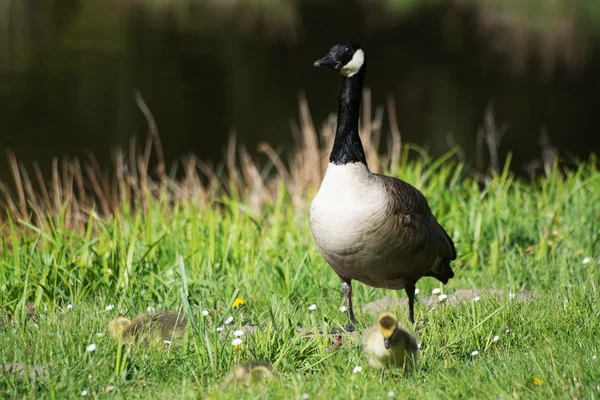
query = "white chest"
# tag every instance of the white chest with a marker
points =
(347, 209)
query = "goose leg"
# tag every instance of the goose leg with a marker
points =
(347, 289)
(410, 292)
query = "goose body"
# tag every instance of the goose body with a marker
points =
(365, 234)
(376, 229)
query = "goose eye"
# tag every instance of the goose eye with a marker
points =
(347, 50)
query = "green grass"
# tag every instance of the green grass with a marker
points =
(510, 235)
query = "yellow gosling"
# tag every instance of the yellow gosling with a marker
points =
(155, 329)
(389, 344)
(248, 373)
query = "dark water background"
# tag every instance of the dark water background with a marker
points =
(69, 69)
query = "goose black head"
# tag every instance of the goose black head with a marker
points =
(346, 57)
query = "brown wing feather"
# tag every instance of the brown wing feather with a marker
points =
(408, 200)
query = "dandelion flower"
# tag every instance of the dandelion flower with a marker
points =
(586, 260)
(476, 298)
(69, 306)
(110, 307)
(416, 292)
(91, 348)
(305, 396)
(537, 381)
(229, 320)
(357, 369)
(150, 309)
(474, 353)
(238, 333)
(238, 302)
(495, 339)
(343, 308)
(220, 328)
(205, 313)
(312, 307)
(84, 392)
(436, 291)
(391, 393)
(237, 342)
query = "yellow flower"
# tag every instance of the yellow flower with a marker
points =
(238, 302)
(537, 381)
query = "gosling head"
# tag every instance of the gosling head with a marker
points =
(388, 325)
(118, 325)
(346, 57)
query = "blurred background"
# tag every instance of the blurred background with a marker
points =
(205, 68)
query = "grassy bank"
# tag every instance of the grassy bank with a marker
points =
(73, 259)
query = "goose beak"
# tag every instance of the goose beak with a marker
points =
(386, 343)
(327, 61)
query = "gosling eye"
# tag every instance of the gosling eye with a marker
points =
(347, 50)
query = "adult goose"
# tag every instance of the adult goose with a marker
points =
(376, 229)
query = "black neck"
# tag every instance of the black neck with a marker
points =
(347, 147)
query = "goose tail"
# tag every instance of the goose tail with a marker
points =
(443, 273)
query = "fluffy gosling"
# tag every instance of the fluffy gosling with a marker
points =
(389, 344)
(249, 372)
(148, 328)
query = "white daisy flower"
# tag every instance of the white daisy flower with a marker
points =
(99, 334)
(229, 320)
(476, 298)
(416, 292)
(205, 313)
(167, 342)
(511, 295)
(496, 338)
(150, 309)
(312, 307)
(357, 369)
(91, 348)
(442, 297)
(474, 353)
(305, 396)
(69, 306)
(110, 307)
(391, 393)
(236, 342)
(343, 308)
(220, 328)
(436, 291)
(84, 392)
(586, 260)
(418, 345)
(238, 333)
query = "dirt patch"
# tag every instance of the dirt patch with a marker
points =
(388, 304)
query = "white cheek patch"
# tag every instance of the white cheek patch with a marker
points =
(354, 65)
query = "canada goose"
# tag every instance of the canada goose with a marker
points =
(389, 344)
(148, 328)
(249, 372)
(372, 228)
